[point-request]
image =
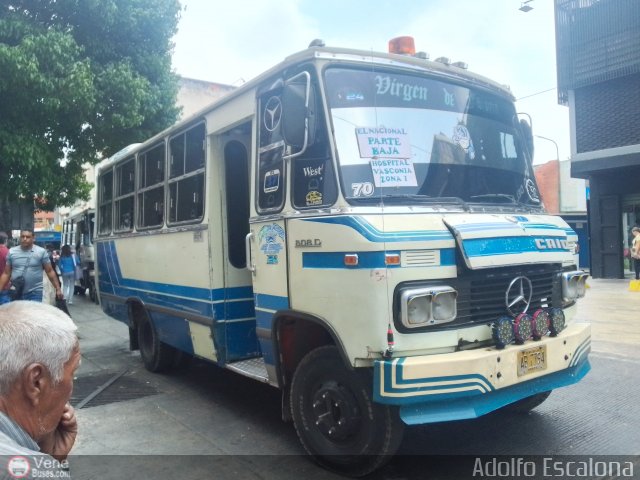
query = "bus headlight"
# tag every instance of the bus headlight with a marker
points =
(420, 307)
(582, 285)
(556, 321)
(502, 331)
(573, 285)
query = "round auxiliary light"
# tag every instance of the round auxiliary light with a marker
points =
(502, 331)
(556, 324)
(540, 323)
(522, 328)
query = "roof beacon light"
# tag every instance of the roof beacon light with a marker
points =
(402, 46)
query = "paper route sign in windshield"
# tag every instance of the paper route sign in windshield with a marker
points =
(390, 153)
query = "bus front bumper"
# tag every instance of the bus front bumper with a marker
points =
(469, 384)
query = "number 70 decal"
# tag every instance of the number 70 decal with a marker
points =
(364, 189)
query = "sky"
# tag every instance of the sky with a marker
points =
(233, 41)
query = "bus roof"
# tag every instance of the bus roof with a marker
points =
(335, 54)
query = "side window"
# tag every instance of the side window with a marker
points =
(186, 175)
(105, 196)
(151, 187)
(124, 199)
(271, 174)
(313, 180)
(271, 178)
(236, 160)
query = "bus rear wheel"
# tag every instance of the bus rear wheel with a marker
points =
(336, 420)
(156, 355)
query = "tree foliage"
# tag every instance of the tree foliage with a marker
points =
(79, 80)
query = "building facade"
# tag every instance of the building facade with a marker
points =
(598, 63)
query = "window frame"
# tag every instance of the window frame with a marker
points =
(184, 177)
(102, 203)
(120, 197)
(141, 190)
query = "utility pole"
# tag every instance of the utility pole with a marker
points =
(554, 143)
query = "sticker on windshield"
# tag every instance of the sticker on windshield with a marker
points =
(364, 189)
(393, 172)
(271, 181)
(313, 198)
(531, 190)
(462, 137)
(383, 142)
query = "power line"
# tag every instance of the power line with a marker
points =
(537, 93)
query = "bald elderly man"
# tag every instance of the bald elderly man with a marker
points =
(39, 354)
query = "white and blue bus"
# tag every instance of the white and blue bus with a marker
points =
(362, 231)
(77, 232)
(46, 238)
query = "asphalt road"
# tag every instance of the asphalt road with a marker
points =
(206, 422)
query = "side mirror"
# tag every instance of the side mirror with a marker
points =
(527, 135)
(297, 118)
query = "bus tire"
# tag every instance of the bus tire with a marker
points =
(92, 293)
(156, 355)
(527, 404)
(336, 419)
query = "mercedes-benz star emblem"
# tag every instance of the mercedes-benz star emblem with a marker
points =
(518, 296)
(272, 113)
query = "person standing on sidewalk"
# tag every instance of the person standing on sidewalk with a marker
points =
(27, 261)
(39, 355)
(635, 250)
(67, 265)
(4, 251)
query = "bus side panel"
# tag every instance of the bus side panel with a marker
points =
(166, 273)
(240, 321)
(173, 331)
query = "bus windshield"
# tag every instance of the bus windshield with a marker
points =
(410, 139)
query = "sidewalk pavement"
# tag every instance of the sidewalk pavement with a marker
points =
(614, 313)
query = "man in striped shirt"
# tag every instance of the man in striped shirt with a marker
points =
(39, 354)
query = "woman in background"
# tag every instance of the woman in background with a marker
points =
(67, 267)
(635, 251)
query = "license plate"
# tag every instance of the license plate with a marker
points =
(532, 360)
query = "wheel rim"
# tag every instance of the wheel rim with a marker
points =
(335, 411)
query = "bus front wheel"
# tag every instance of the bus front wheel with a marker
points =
(527, 404)
(336, 420)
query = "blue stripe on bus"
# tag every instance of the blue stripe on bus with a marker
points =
(372, 234)
(481, 247)
(336, 260)
(328, 260)
(236, 302)
(264, 319)
(271, 302)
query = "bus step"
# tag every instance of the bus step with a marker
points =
(253, 367)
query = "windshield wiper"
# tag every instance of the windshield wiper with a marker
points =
(495, 196)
